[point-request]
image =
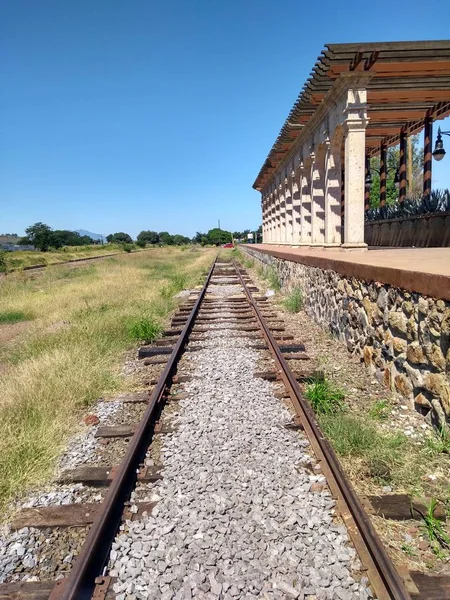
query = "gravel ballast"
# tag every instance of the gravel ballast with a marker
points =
(236, 516)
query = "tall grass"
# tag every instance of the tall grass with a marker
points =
(70, 354)
(293, 302)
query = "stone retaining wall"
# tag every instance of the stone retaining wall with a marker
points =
(402, 337)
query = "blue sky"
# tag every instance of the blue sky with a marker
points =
(137, 114)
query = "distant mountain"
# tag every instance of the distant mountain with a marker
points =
(94, 236)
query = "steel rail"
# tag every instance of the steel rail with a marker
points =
(94, 554)
(383, 576)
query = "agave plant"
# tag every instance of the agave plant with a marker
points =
(438, 201)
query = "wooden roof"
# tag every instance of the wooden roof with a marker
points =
(410, 80)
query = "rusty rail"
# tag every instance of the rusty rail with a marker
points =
(383, 576)
(93, 557)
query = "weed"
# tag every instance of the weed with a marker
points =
(273, 279)
(380, 410)
(2, 262)
(14, 316)
(434, 529)
(145, 329)
(294, 300)
(248, 263)
(381, 454)
(440, 443)
(408, 549)
(325, 397)
(178, 282)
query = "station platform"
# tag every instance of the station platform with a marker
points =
(422, 270)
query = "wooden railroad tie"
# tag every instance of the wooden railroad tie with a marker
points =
(276, 375)
(126, 431)
(102, 476)
(68, 515)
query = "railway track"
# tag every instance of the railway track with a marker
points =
(204, 461)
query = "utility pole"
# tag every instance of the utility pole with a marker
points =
(219, 223)
(409, 162)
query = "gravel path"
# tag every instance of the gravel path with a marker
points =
(237, 517)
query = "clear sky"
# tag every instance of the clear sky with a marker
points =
(143, 114)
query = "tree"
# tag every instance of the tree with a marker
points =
(63, 237)
(197, 239)
(165, 238)
(180, 240)
(218, 236)
(148, 237)
(119, 238)
(40, 235)
(393, 158)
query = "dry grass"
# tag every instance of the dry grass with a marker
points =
(30, 258)
(70, 354)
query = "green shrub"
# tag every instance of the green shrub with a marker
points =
(325, 397)
(141, 243)
(2, 262)
(14, 316)
(294, 300)
(128, 247)
(145, 329)
(273, 279)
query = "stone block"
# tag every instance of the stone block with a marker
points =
(408, 308)
(397, 321)
(435, 356)
(415, 354)
(421, 401)
(403, 386)
(399, 345)
(438, 385)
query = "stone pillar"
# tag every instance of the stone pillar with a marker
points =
(269, 217)
(317, 201)
(282, 199)
(288, 200)
(333, 194)
(296, 200)
(355, 152)
(276, 236)
(305, 205)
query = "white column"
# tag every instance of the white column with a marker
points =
(276, 239)
(282, 201)
(333, 195)
(288, 192)
(305, 206)
(317, 199)
(355, 148)
(296, 204)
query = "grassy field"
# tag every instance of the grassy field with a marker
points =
(62, 337)
(20, 259)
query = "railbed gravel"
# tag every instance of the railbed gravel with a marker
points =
(236, 516)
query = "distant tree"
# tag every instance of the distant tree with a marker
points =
(165, 238)
(218, 236)
(197, 239)
(40, 235)
(148, 237)
(140, 243)
(119, 238)
(180, 240)
(64, 237)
